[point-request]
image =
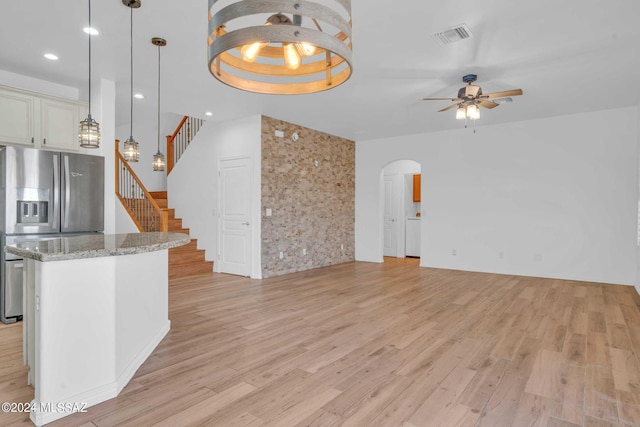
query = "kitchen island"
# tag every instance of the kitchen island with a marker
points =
(95, 308)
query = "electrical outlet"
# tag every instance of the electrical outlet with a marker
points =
(281, 255)
(304, 252)
(454, 252)
(269, 212)
(279, 134)
(342, 247)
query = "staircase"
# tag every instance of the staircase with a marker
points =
(149, 211)
(184, 260)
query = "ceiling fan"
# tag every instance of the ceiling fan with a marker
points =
(470, 97)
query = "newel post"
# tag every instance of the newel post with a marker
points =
(117, 166)
(164, 219)
(169, 153)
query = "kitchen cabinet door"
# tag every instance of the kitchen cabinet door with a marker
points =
(17, 118)
(60, 125)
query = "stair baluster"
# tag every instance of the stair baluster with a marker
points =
(181, 138)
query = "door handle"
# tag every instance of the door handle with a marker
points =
(245, 223)
(67, 191)
(56, 193)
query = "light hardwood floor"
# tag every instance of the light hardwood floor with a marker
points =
(364, 344)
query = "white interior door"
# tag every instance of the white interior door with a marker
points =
(235, 210)
(390, 217)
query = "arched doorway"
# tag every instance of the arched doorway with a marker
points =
(401, 209)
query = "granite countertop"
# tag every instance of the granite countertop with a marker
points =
(95, 245)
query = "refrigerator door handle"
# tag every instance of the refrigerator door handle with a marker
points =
(67, 191)
(56, 191)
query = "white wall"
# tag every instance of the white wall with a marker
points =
(124, 223)
(103, 110)
(637, 282)
(556, 197)
(193, 184)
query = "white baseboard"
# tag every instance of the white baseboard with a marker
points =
(129, 371)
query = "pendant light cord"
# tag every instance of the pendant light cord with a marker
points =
(90, 29)
(131, 93)
(158, 98)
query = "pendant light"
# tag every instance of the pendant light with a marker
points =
(302, 47)
(131, 150)
(89, 135)
(158, 158)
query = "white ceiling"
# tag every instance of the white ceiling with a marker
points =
(568, 56)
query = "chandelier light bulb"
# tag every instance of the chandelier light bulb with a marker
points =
(306, 49)
(292, 58)
(251, 51)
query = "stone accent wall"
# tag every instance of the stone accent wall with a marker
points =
(313, 207)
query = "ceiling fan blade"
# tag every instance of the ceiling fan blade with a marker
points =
(442, 99)
(448, 108)
(503, 94)
(487, 104)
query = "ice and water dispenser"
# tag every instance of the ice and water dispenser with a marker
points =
(30, 212)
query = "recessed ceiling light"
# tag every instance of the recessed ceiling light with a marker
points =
(91, 30)
(51, 56)
(138, 96)
(208, 113)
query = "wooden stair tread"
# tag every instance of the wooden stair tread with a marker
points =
(158, 194)
(175, 223)
(190, 269)
(186, 257)
(191, 246)
(178, 230)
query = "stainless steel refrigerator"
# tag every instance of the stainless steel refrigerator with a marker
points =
(43, 194)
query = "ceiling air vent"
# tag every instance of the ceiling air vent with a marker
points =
(452, 35)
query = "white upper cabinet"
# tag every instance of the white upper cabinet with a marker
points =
(17, 118)
(60, 124)
(40, 121)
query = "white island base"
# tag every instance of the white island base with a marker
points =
(88, 326)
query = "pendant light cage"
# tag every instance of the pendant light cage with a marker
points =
(89, 133)
(280, 47)
(158, 158)
(131, 151)
(158, 162)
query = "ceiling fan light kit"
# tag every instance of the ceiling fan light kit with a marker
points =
(470, 99)
(280, 46)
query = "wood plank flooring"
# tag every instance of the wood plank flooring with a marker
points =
(388, 344)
